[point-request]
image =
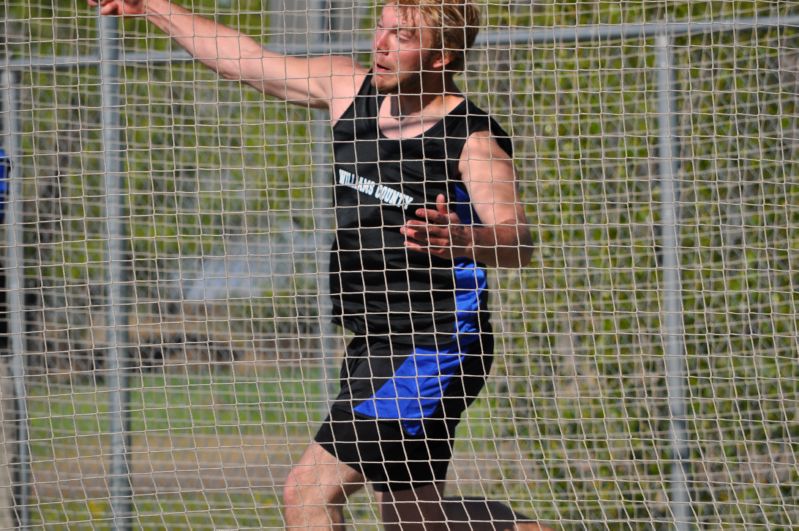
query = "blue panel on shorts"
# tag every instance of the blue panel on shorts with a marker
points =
(416, 389)
(419, 383)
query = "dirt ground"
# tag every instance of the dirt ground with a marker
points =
(166, 464)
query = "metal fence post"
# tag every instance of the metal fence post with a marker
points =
(322, 25)
(673, 333)
(15, 283)
(120, 483)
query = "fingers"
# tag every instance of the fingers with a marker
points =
(437, 234)
(440, 251)
(107, 7)
(431, 235)
(431, 239)
(438, 216)
(421, 230)
(441, 205)
(434, 249)
(441, 215)
(118, 7)
(432, 216)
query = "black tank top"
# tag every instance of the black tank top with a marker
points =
(378, 287)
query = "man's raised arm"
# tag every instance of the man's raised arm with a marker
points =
(300, 80)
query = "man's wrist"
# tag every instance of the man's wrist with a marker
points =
(475, 251)
(156, 7)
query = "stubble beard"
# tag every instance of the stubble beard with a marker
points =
(378, 82)
(411, 84)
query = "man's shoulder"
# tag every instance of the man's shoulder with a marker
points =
(346, 78)
(346, 74)
(482, 129)
(480, 116)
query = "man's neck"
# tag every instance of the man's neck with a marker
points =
(430, 100)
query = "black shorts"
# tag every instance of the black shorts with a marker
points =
(382, 453)
(396, 425)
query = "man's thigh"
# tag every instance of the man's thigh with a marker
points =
(322, 478)
(383, 453)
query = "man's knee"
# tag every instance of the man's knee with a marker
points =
(304, 502)
(305, 486)
(293, 490)
(318, 485)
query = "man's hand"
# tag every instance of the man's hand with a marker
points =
(119, 7)
(441, 234)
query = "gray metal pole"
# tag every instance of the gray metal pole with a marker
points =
(120, 484)
(323, 216)
(679, 496)
(486, 38)
(16, 281)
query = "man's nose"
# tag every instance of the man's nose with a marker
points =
(380, 40)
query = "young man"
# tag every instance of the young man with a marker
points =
(425, 198)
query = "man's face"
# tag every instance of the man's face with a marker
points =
(402, 51)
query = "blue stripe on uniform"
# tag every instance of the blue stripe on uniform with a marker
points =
(463, 206)
(416, 388)
(419, 383)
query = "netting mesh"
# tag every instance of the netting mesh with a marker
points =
(227, 216)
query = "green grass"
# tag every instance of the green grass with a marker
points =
(252, 510)
(279, 403)
(175, 511)
(69, 421)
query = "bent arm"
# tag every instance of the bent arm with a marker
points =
(306, 81)
(504, 238)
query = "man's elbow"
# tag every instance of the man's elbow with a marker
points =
(525, 254)
(519, 259)
(524, 248)
(517, 249)
(513, 256)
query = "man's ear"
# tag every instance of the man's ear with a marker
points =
(442, 60)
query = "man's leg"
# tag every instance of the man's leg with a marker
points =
(316, 490)
(425, 509)
(481, 514)
(413, 509)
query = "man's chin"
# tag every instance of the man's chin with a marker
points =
(383, 85)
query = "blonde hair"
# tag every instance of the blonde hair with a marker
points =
(455, 24)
